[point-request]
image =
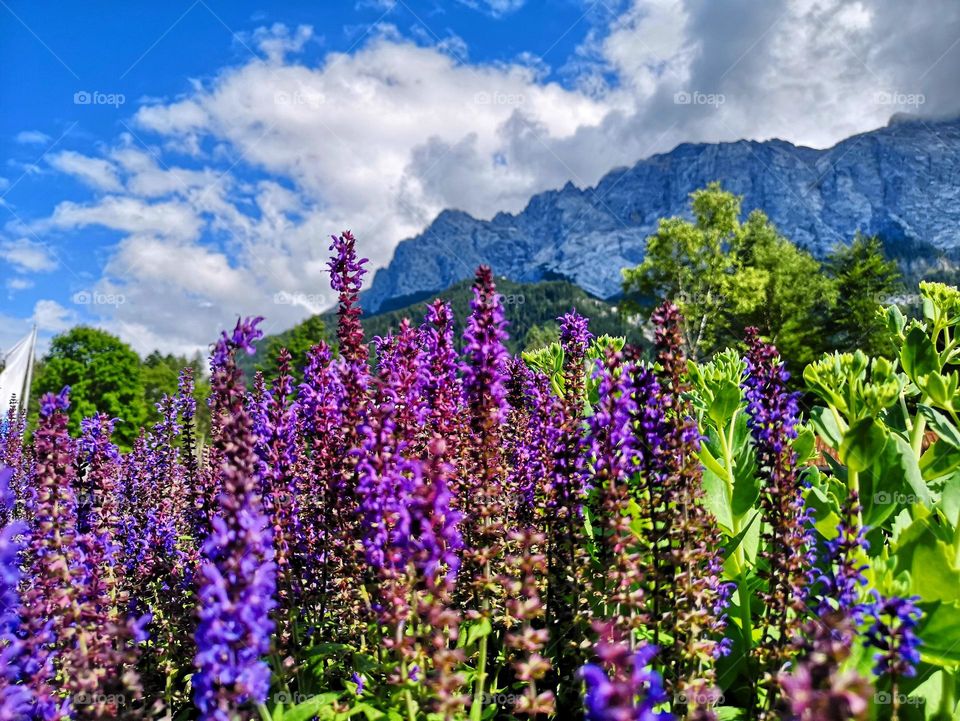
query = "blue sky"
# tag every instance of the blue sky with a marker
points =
(166, 166)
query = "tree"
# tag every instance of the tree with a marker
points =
(688, 263)
(865, 281)
(778, 288)
(161, 376)
(540, 336)
(298, 340)
(104, 375)
(726, 275)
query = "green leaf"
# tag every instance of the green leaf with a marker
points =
(910, 467)
(371, 713)
(826, 512)
(731, 546)
(746, 488)
(310, 707)
(862, 444)
(730, 713)
(725, 403)
(918, 355)
(938, 460)
(940, 633)
(715, 497)
(805, 445)
(478, 630)
(709, 462)
(825, 424)
(941, 425)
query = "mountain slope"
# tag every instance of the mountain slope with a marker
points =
(901, 182)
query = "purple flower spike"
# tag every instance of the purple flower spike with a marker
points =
(237, 574)
(50, 403)
(893, 633)
(631, 691)
(15, 699)
(244, 335)
(346, 277)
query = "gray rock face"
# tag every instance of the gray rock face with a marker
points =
(901, 182)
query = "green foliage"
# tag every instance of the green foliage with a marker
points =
(160, 374)
(104, 375)
(540, 336)
(689, 263)
(864, 278)
(726, 275)
(298, 340)
(894, 432)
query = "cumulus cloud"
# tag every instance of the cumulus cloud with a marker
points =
(27, 256)
(282, 153)
(52, 317)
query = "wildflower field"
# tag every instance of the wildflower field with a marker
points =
(592, 530)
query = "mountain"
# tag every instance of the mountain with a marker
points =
(901, 182)
(526, 306)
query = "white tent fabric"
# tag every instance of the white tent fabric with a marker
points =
(17, 370)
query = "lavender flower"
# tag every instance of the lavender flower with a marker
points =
(50, 603)
(816, 689)
(442, 389)
(842, 580)
(485, 387)
(346, 277)
(772, 418)
(631, 691)
(892, 631)
(401, 367)
(279, 449)
(15, 699)
(237, 583)
(575, 336)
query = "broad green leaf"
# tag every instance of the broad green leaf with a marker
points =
(918, 356)
(825, 424)
(940, 633)
(716, 499)
(310, 707)
(950, 500)
(826, 512)
(725, 403)
(893, 480)
(734, 543)
(730, 713)
(941, 425)
(805, 445)
(746, 489)
(910, 467)
(862, 444)
(939, 460)
(369, 712)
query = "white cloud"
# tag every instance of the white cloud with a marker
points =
(278, 41)
(282, 154)
(52, 317)
(28, 256)
(172, 219)
(95, 172)
(496, 8)
(32, 137)
(18, 283)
